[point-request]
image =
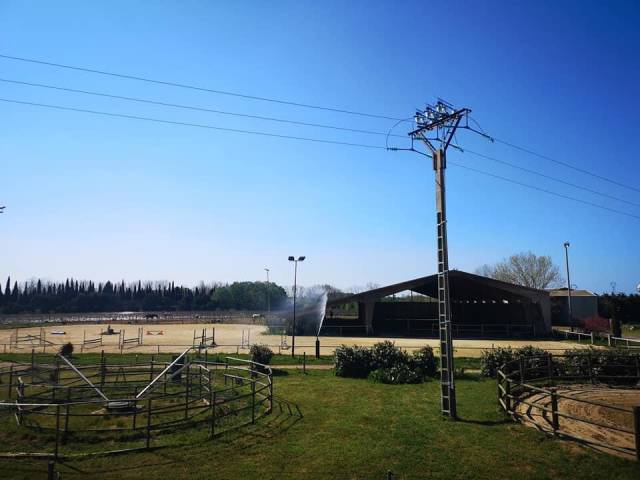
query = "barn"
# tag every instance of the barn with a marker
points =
(481, 307)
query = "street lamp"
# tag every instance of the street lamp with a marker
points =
(295, 288)
(566, 256)
(268, 293)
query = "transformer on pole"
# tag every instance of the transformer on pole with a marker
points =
(436, 126)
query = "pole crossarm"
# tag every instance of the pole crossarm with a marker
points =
(163, 372)
(73, 367)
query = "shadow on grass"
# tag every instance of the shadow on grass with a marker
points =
(240, 437)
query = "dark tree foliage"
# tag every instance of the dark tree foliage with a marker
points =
(74, 296)
(624, 308)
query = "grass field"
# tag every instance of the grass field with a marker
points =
(356, 429)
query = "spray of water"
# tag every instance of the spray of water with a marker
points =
(310, 312)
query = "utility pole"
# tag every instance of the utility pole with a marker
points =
(436, 126)
(566, 256)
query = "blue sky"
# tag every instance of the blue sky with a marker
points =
(108, 198)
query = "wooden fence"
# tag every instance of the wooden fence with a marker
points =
(529, 381)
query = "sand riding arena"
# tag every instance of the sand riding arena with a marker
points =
(591, 399)
(61, 407)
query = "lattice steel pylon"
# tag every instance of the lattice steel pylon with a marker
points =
(436, 126)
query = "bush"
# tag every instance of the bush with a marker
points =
(355, 362)
(387, 355)
(609, 363)
(396, 375)
(385, 363)
(260, 354)
(492, 360)
(596, 324)
(424, 362)
(66, 350)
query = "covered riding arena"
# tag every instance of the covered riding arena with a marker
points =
(481, 307)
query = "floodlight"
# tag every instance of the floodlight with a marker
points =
(291, 259)
(300, 259)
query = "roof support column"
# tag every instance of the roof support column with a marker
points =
(369, 307)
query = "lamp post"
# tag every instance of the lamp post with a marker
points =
(295, 288)
(566, 256)
(268, 292)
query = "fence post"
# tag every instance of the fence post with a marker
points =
(304, 362)
(592, 339)
(270, 392)
(148, 441)
(555, 419)
(135, 408)
(636, 430)
(608, 339)
(187, 391)
(213, 413)
(507, 395)
(253, 401)
(521, 369)
(10, 381)
(55, 454)
(66, 416)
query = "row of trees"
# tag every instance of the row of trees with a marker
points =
(75, 296)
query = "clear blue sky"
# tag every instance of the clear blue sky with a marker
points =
(109, 198)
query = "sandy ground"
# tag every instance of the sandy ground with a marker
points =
(608, 415)
(228, 337)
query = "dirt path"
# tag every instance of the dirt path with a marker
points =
(165, 338)
(612, 415)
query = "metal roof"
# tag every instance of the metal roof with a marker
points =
(463, 286)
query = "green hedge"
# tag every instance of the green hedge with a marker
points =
(385, 363)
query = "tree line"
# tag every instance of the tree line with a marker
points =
(73, 296)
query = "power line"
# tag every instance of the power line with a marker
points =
(200, 109)
(565, 164)
(303, 105)
(550, 192)
(194, 87)
(294, 122)
(550, 177)
(308, 139)
(187, 124)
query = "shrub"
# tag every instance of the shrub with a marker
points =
(395, 375)
(596, 324)
(424, 362)
(387, 355)
(492, 360)
(598, 362)
(355, 362)
(66, 350)
(260, 354)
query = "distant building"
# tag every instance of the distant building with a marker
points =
(584, 304)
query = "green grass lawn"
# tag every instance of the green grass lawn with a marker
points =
(355, 429)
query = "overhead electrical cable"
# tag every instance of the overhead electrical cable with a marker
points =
(550, 177)
(308, 139)
(187, 124)
(302, 105)
(195, 87)
(200, 109)
(566, 164)
(544, 190)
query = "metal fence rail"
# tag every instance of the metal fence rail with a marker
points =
(125, 404)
